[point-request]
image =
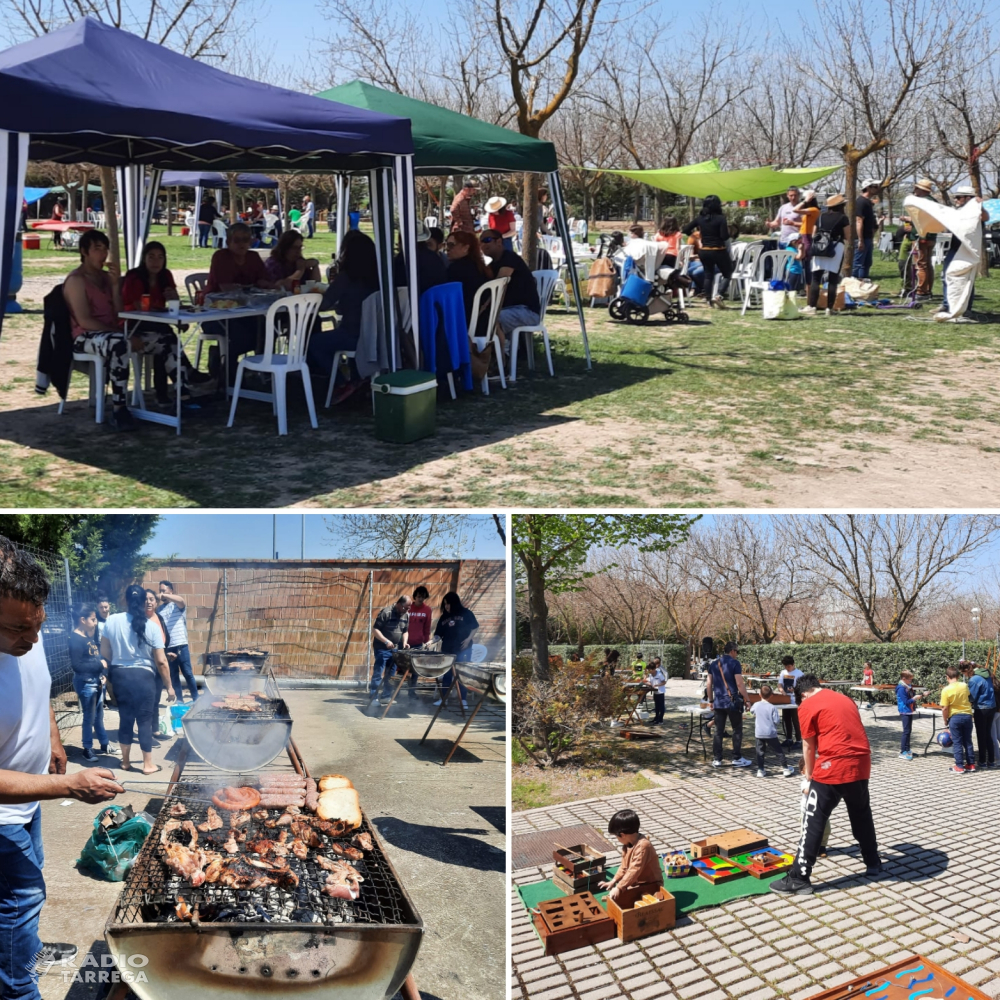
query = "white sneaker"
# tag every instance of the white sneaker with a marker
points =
(437, 704)
(807, 311)
(716, 763)
(742, 762)
(465, 704)
(829, 312)
(761, 774)
(375, 703)
(718, 302)
(789, 772)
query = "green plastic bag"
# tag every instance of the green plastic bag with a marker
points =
(111, 851)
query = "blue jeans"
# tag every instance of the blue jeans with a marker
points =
(182, 665)
(904, 743)
(960, 727)
(464, 656)
(204, 229)
(22, 895)
(863, 260)
(90, 691)
(383, 665)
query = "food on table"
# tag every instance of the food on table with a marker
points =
(235, 798)
(341, 804)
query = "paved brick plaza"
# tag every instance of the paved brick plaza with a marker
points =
(937, 835)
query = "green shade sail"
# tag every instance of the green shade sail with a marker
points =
(447, 142)
(701, 179)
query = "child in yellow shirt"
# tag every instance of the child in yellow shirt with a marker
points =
(957, 714)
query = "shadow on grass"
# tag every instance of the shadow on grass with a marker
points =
(249, 465)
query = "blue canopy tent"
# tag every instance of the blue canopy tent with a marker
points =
(91, 93)
(31, 195)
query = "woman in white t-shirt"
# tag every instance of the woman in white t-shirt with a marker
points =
(788, 678)
(133, 645)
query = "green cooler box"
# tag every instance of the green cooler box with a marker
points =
(405, 406)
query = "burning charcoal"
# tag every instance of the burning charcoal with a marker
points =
(306, 917)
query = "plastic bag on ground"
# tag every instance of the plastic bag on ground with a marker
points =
(111, 850)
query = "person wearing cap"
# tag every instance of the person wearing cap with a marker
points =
(431, 268)
(961, 196)
(461, 210)
(502, 219)
(787, 219)
(864, 221)
(925, 247)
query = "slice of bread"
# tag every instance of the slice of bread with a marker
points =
(340, 804)
(330, 781)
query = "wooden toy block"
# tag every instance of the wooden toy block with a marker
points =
(739, 842)
(635, 921)
(761, 864)
(578, 859)
(717, 870)
(572, 922)
(912, 976)
(704, 848)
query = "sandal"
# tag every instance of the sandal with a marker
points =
(155, 770)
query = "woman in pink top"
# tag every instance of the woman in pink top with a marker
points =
(669, 233)
(93, 297)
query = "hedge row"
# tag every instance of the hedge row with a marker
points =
(845, 661)
(674, 656)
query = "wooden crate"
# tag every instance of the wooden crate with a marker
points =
(717, 870)
(942, 982)
(776, 699)
(588, 881)
(634, 921)
(572, 922)
(578, 859)
(739, 842)
(759, 863)
(704, 848)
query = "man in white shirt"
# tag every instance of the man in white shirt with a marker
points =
(788, 678)
(172, 610)
(32, 768)
(787, 220)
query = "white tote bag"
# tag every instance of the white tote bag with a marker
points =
(779, 305)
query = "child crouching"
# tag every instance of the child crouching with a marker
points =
(640, 867)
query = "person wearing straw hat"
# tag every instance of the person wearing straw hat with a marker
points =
(834, 224)
(925, 246)
(503, 220)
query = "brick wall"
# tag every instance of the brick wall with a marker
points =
(313, 615)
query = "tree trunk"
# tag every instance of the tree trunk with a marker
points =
(976, 178)
(111, 214)
(657, 207)
(529, 251)
(851, 194)
(637, 205)
(538, 620)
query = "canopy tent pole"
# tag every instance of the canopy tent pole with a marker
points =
(405, 187)
(557, 203)
(343, 208)
(281, 210)
(378, 191)
(136, 201)
(195, 228)
(13, 166)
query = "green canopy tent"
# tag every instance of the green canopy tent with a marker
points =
(446, 142)
(703, 179)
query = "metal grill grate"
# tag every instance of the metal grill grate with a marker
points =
(151, 890)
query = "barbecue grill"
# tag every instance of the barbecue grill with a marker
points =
(234, 671)
(424, 662)
(490, 678)
(235, 740)
(268, 941)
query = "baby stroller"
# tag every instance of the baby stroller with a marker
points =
(642, 297)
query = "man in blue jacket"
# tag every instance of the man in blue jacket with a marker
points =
(984, 707)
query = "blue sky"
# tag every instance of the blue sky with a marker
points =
(248, 536)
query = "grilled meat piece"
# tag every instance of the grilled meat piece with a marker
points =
(260, 845)
(284, 819)
(346, 851)
(186, 862)
(242, 872)
(280, 800)
(236, 798)
(344, 880)
(239, 819)
(299, 849)
(176, 824)
(260, 815)
(306, 833)
(363, 840)
(230, 846)
(213, 822)
(281, 781)
(331, 827)
(178, 809)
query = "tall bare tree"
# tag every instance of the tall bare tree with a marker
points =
(882, 564)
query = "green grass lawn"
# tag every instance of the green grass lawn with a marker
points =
(726, 410)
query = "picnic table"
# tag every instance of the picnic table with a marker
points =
(704, 715)
(873, 706)
(933, 713)
(52, 226)
(186, 315)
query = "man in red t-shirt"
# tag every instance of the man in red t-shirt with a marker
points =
(838, 764)
(420, 627)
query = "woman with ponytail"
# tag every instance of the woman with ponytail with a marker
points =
(88, 676)
(133, 645)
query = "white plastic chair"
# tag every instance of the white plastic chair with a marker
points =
(301, 311)
(495, 290)
(98, 384)
(746, 270)
(545, 282)
(779, 260)
(431, 221)
(219, 233)
(195, 283)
